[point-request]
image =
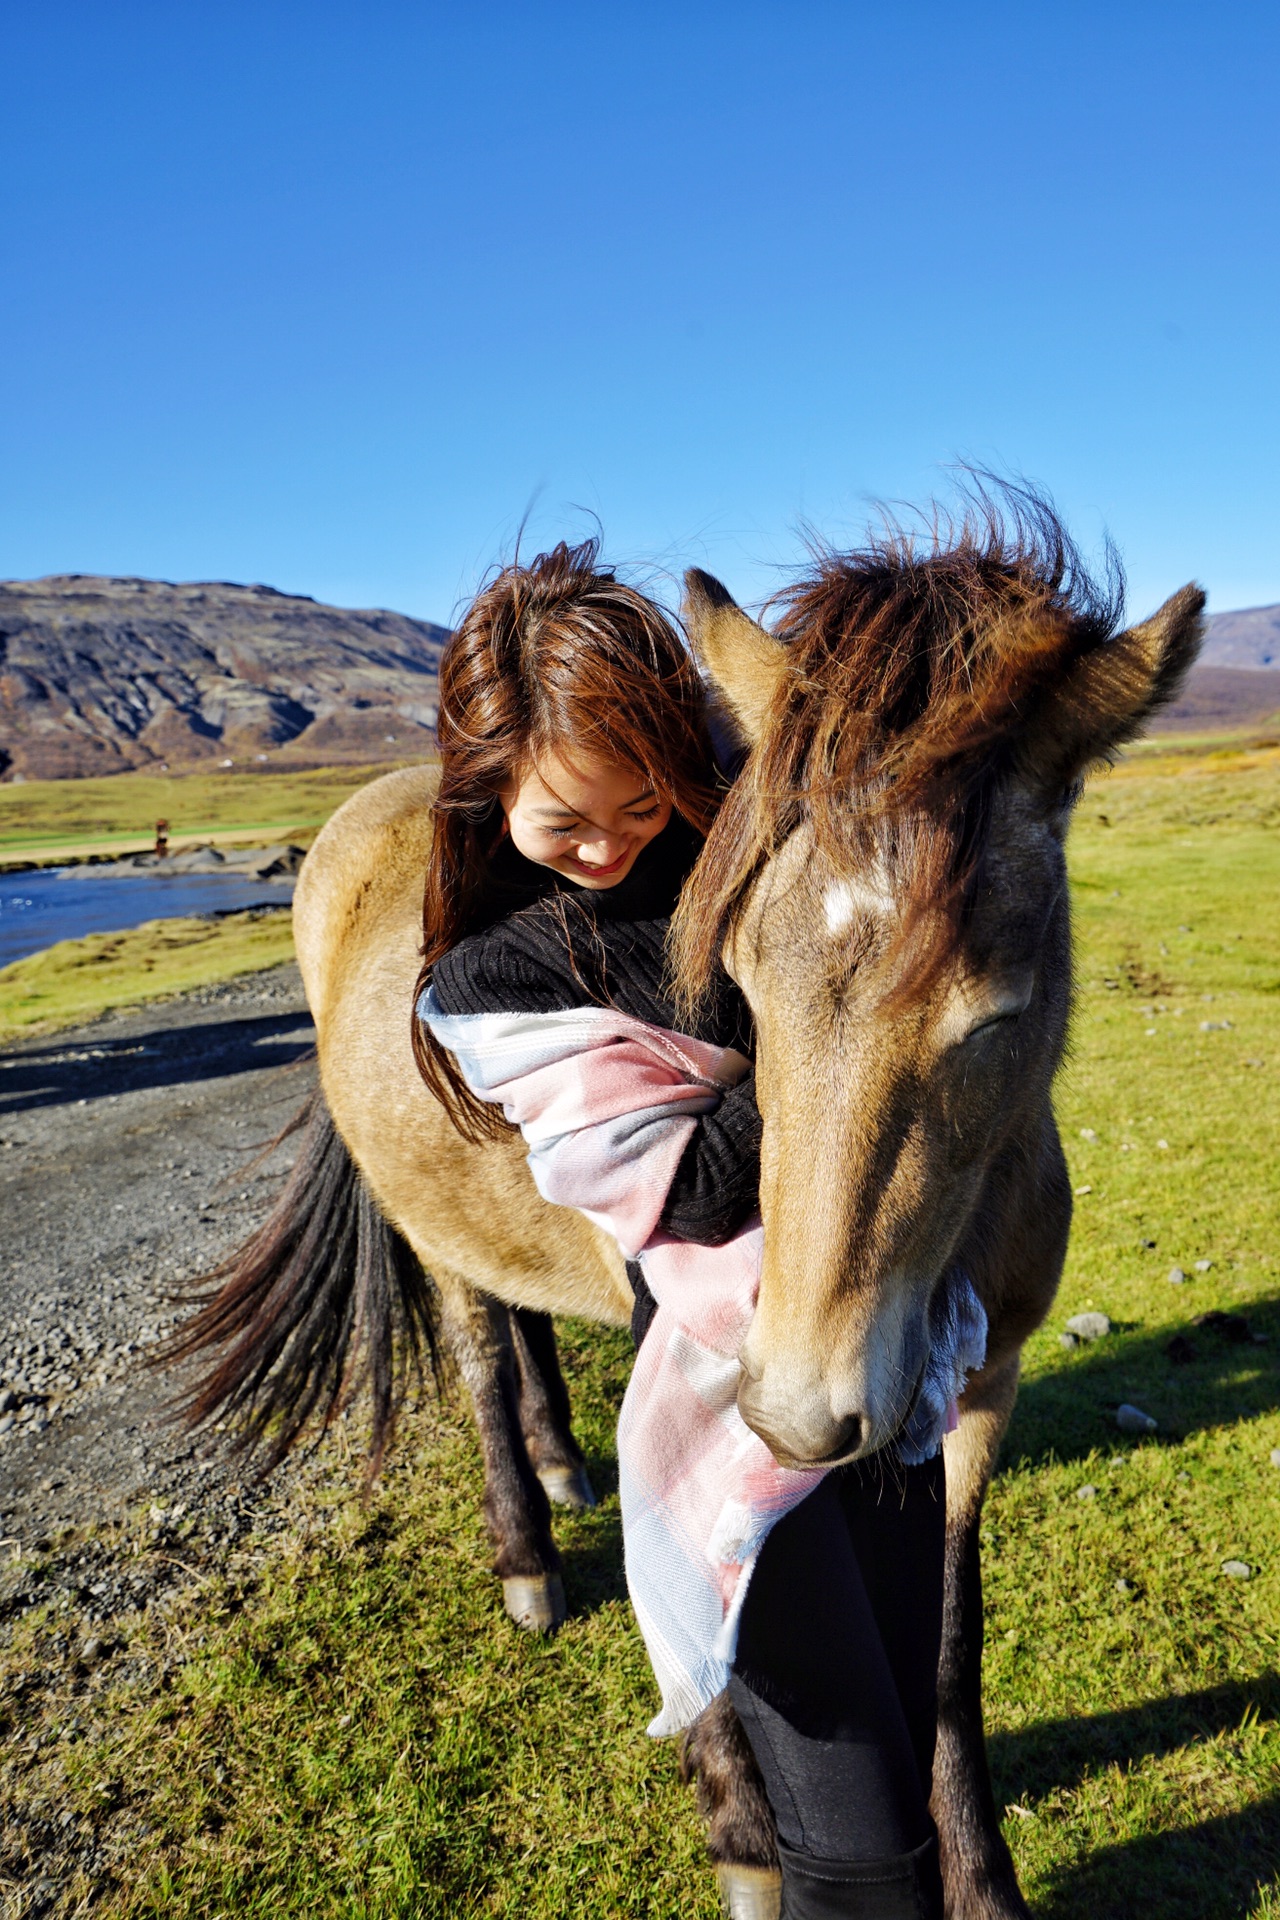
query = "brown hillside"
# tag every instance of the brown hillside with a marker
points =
(1220, 699)
(100, 675)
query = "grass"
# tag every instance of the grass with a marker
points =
(43, 820)
(78, 979)
(350, 1727)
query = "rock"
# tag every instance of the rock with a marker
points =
(91, 1652)
(1089, 1326)
(8, 1401)
(1087, 1133)
(1181, 1350)
(1124, 1586)
(1176, 1277)
(1086, 1492)
(1214, 1026)
(1148, 1246)
(1069, 1341)
(1237, 1569)
(1134, 1420)
(1203, 1266)
(1275, 1456)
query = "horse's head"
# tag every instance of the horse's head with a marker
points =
(886, 882)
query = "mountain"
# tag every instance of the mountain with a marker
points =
(1236, 681)
(1222, 700)
(100, 675)
(1249, 638)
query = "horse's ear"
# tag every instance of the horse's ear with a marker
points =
(1113, 691)
(745, 663)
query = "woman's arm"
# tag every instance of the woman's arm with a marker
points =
(717, 1183)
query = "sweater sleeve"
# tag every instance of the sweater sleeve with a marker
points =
(717, 1183)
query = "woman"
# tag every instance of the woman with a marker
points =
(577, 782)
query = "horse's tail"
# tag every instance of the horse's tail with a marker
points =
(322, 1300)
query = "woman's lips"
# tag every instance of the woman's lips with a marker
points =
(614, 866)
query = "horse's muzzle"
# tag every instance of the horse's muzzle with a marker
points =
(802, 1443)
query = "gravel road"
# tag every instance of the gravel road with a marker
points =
(124, 1149)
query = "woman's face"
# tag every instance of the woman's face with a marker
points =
(586, 818)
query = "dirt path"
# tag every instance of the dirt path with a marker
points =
(123, 1154)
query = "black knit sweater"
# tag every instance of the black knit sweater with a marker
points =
(551, 946)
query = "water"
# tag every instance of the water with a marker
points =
(61, 903)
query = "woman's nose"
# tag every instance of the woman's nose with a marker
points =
(600, 849)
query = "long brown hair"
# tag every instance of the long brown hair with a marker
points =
(551, 654)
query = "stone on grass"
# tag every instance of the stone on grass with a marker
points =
(1133, 1420)
(1237, 1569)
(1087, 1133)
(1069, 1341)
(1086, 1492)
(1203, 1266)
(1275, 1456)
(1124, 1586)
(1176, 1276)
(1089, 1326)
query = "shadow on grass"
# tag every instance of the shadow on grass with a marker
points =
(1072, 1410)
(1060, 1753)
(591, 1548)
(1211, 1871)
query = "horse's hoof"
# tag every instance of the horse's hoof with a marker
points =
(535, 1601)
(750, 1893)
(568, 1487)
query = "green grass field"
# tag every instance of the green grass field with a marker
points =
(78, 979)
(45, 820)
(351, 1727)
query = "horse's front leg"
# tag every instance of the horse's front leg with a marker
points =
(741, 1836)
(545, 1417)
(480, 1336)
(977, 1870)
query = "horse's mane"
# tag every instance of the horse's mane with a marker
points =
(915, 668)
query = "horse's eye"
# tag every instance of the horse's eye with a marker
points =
(993, 1021)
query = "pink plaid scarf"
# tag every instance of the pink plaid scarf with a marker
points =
(607, 1105)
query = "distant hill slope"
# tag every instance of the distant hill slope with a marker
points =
(1248, 638)
(100, 675)
(1236, 682)
(1222, 699)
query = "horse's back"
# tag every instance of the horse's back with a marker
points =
(362, 879)
(472, 1210)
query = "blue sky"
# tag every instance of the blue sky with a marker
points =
(331, 295)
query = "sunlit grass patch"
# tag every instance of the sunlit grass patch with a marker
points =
(47, 819)
(79, 979)
(350, 1725)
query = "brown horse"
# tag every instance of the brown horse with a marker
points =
(886, 881)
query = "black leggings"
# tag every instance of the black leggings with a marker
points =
(836, 1674)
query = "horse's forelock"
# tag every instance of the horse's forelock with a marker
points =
(914, 671)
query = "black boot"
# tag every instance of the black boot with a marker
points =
(907, 1887)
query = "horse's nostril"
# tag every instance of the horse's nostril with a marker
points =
(805, 1438)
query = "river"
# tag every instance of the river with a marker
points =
(61, 903)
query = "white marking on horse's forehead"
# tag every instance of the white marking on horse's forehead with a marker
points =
(843, 900)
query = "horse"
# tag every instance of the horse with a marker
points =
(886, 881)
